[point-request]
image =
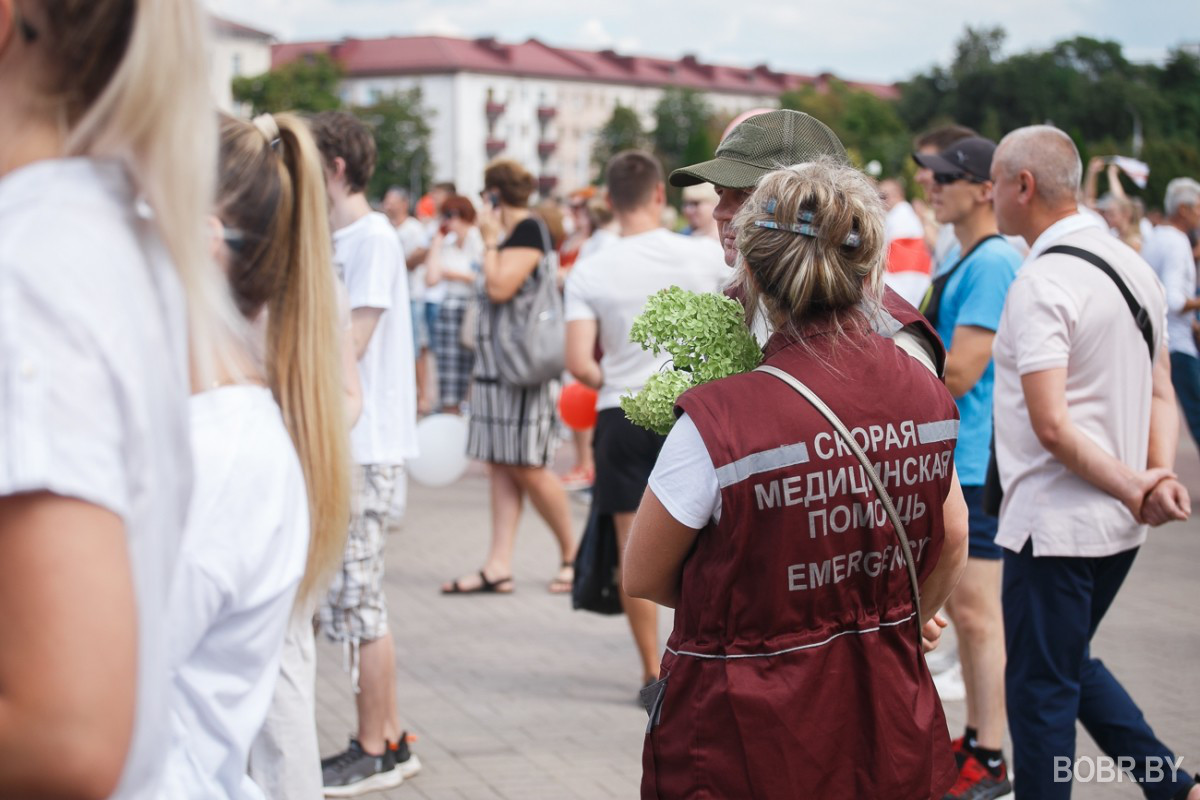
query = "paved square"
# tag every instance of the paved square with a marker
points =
(519, 697)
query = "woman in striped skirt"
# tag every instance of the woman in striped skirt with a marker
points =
(512, 428)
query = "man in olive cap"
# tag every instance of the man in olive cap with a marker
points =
(767, 142)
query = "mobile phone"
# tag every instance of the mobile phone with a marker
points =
(494, 199)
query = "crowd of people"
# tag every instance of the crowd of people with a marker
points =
(210, 386)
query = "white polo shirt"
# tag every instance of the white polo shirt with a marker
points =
(368, 257)
(94, 389)
(1062, 311)
(613, 286)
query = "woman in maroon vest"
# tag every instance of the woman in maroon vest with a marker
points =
(795, 669)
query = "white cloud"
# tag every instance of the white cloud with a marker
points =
(439, 24)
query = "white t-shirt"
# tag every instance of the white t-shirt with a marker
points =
(243, 556)
(600, 239)
(466, 256)
(613, 285)
(94, 386)
(1062, 311)
(1169, 252)
(413, 237)
(368, 257)
(684, 478)
(902, 222)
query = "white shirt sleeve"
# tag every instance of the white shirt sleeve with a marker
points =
(1178, 273)
(64, 427)
(1046, 315)
(372, 274)
(576, 305)
(684, 479)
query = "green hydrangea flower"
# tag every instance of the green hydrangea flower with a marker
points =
(706, 337)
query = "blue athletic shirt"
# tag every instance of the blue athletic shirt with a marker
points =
(975, 296)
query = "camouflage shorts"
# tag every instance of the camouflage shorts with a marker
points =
(355, 608)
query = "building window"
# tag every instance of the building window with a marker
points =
(237, 64)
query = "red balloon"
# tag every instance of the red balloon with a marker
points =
(577, 406)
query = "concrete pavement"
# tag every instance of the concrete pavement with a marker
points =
(519, 697)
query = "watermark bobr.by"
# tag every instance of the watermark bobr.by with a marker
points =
(1106, 769)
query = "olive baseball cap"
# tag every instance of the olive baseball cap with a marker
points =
(761, 144)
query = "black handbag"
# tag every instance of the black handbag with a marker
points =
(596, 563)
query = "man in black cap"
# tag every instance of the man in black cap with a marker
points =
(964, 304)
(766, 142)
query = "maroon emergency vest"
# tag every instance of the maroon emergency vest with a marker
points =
(793, 669)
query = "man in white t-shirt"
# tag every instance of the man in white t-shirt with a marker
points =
(414, 241)
(1169, 251)
(367, 254)
(1086, 429)
(605, 292)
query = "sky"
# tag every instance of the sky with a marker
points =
(870, 40)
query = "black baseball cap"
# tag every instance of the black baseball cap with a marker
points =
(969, 158)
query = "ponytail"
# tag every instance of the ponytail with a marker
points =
(304, 358)
(272, 190)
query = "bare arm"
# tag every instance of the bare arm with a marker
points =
(1114, 182)
(68, 648)
(505, 270)
(350, 380)
(968, 358)
(941, 581)
(363, 322)
(1046, 397)
(652, 564)
(416, 258)
(581, 352)
(436, 270)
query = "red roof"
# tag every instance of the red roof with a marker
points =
(409, 55)
(238, 29)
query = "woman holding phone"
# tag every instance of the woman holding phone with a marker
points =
(513, 428)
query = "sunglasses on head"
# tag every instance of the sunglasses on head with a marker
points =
(947, 178)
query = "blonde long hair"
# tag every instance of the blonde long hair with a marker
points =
(811, 244)
(127, 79)
(272, 194)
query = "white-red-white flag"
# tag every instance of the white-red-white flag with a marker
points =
(1138, 171)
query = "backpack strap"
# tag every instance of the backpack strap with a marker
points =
(1140, 317)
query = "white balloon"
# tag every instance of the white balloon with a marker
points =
(442, 439)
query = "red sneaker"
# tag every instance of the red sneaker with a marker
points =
(578, 478)
(976, 782)
(959, 748)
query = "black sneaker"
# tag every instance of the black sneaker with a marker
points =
(355, 772)
(406, 760)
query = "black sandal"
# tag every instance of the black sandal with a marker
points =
(485, 586)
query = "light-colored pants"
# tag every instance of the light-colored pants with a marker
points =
(285, 760)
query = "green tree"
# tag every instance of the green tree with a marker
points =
(401, 128)
(682, 128)
(869, 127)
(1084, 86)
(307, 84)
(623, 131)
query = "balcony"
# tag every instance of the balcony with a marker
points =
(546, 184)
(493, 109)
(547, 113)
(546, 149)
(495, 147)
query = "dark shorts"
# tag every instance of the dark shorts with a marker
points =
(981, 527)
(625, 456)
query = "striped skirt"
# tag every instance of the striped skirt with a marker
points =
(508, 424)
